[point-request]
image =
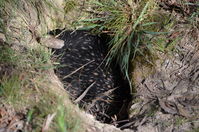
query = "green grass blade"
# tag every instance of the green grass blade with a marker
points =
(89, 27)
(140, 18)
(149, 24)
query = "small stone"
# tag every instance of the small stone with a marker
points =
(52, 42)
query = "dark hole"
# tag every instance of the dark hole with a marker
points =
(19, 131)
(108, 94)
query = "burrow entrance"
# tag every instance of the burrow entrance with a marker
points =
(99, 89)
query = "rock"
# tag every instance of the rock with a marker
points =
(52, 42)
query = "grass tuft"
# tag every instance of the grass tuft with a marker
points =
(131, 25)
(7, 55)
(9, 88)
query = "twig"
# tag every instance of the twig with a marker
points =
(84, 93)
(77, 69)
(48, 122)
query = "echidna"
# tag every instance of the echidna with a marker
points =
(98, 89)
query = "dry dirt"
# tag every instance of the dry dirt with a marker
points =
(167, 99)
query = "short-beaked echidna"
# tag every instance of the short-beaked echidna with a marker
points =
(100, 90)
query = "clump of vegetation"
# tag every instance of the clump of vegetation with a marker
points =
(131, 24)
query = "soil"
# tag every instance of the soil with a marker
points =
(168, 98)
